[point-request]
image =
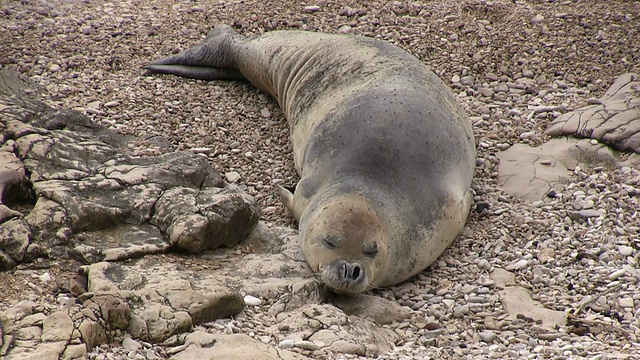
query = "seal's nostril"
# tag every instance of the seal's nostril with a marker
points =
(355, 275)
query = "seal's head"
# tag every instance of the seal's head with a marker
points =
(345, 243)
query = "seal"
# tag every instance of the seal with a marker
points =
(385, 153)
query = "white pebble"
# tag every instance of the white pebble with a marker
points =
(521, 264)
(45, 278)
(252, 301)
(616, 274)
(286, 344)
(487, 336)
(625, 250)
(232, 176)
(626, 302)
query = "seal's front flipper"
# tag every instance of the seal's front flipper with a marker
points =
(289, 201)
(212, 59)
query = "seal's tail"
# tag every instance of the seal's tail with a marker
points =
(212, 59)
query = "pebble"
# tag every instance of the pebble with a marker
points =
(527, 135)
(45, 278)
(286, 344)
(344, 29)
(487, 336)
(307, 345)
(130, 344)
(467, 80)
(626, 302)
(232, 176)
(252, 301)
(201, 150)
(484, 264)
(625, 250)
(111, 104)
(616, 274)
(312, 8)
(521, 264)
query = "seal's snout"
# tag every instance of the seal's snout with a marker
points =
(345, 276)
(351, 271)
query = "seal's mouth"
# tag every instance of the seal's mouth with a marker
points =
(345, 277)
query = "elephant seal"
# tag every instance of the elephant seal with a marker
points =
(384, 152)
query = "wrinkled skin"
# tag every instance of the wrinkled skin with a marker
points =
(384, 152)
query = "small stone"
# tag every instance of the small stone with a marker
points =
(484, 264)
(54, 67)
(286, 344)
(590, 213)
(45, 278)
(232, 176)
(130, 344)
(201, 150)
(626, 302)
(111, 104)
(312, 8)
(537, 19)
(616, 274)
(307, 345)
(546, 162)
(177, 349)
(485, 281)
(252, 301)
(455, 79)
(527, 135)
(487, 336)
(269, 210)
(625, 250)
(265, 112)
(521, 264)
(467, 80)
(344, 29)
(486, 92)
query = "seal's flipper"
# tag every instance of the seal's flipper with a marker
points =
(288, 199)
(197, 72)
(211, 59)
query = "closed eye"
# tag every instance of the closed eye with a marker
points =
(370, 251)
(329, 244)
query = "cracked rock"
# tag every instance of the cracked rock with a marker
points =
(613, 119)
(70, 189)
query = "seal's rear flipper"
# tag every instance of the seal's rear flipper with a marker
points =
(209, 60)
(196, 72)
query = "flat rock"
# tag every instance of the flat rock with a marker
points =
(229, 347)
(529, 173)
(517, 302)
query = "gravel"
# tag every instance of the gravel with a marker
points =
(515, 65)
